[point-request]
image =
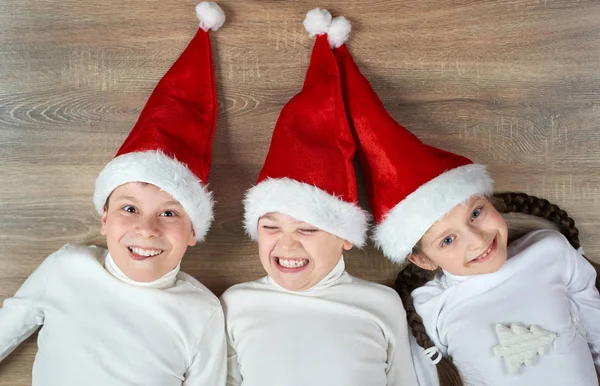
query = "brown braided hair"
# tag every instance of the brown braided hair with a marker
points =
(512, 202)
(412, 277)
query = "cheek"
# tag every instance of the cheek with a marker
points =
(497, 221)
(266, 243)
(180, 232)
(323, 251)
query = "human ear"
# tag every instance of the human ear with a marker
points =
(192, 240)
(103, 222)
(422, 261)
(347, 245)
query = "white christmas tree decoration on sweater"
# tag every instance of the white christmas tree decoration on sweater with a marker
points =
(519, 344)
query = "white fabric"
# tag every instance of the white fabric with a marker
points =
(156, 168)
(99, 331)
(342, 332)
(167, 281)
(306, 203)
(404, 225)
(545, 283)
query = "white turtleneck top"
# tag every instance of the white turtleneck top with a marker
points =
(342, 332)
(545, 283)
(101, 328)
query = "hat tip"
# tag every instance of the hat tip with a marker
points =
(317, 21)
(210, 15)
(339, 31)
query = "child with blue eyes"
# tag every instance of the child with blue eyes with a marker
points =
(495, 314)
(127, 315)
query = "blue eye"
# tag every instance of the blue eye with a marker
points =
(447, 241)
(475, 213)
(129, 209)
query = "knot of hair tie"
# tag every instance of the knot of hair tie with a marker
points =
(432, 352)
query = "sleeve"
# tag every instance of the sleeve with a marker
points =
(23, 313)
(234, 376)
(209, 364)
(401, 369)
(424, 368)
(581, 289)
(429, 301)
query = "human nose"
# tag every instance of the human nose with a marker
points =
(477, 237)
(288, 242)
(148, 227)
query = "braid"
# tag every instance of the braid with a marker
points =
(410, 278)
(523, 203)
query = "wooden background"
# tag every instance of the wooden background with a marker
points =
(511, 83)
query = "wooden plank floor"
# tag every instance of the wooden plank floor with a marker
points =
(511, 83)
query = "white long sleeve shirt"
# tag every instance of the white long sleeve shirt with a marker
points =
(544, 283)
(101, 329)
(342, 332)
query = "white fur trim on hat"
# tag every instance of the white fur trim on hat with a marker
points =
(407, 222)
(172, 176)
(306, 203)
(210, 15)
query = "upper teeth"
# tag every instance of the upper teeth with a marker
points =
(288, 263)
(486, 252)
(145, 252)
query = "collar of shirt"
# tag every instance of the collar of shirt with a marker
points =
(449, 279)
(167, 281)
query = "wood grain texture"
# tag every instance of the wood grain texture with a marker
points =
(510, 83)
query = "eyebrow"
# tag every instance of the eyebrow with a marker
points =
(130, 198)
(133, 199)
(472, 206)
(172, 202)
(438, 237)
(269, 217)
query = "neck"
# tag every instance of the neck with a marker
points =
(452, 278)
(167, 281)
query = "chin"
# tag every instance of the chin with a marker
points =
(499, 264)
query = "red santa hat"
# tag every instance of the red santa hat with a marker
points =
(170, 146)
(410, 185)
(309, 173)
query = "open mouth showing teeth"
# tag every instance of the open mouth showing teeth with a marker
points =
(145, 252)
(487, 252)
(292, 263)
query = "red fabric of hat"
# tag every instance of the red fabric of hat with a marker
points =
(411, 185)
(170, 146)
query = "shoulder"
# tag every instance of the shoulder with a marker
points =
(431, 290)
(198, 292)
(544, 242)
(79, 253)
(431, 298)
(380, 300)
(245, 290)
(374, 291)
